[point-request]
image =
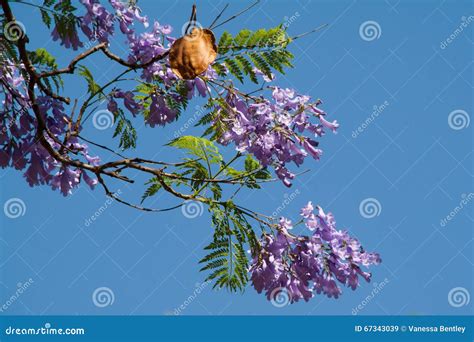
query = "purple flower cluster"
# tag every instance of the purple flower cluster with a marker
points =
(19, 146)
(273, 130)
(278, 130)
(128, 101)
(148, 45)
(126, 15)
(98, 23)
(12, 87)
(160, 112)
(307, 265)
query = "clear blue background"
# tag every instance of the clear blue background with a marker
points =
(409, 159)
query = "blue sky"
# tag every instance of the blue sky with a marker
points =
(410, 160)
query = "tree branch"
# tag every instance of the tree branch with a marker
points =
(112, 169)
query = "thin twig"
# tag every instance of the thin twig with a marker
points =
(118, 199)
(218, 16)
(319, 28)
(238, 14)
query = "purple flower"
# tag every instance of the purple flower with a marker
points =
(98, 22)
(307, 210)
(272, 131)
(331, 125)
(112, 106)
(310, 147)
(69, 39)
(65, 180)
(159, 112)
(264, 76)
(285, 223)
(307, 265)
(92, 182)
(128, 101)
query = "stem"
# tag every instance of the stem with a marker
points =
(236, 15)
(219, 172)
(113, 169)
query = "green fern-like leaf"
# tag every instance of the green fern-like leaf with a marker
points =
(92, 86)
(261, 64)
(46, 18)
(262, 49)
(242, 37)
(234, 69)
(224, 42)
(227, 259)
(247, 68)
(198, 147)
(126, 131)
(220, 69)
(152, 189)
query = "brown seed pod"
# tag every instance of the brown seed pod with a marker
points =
(192, 54)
